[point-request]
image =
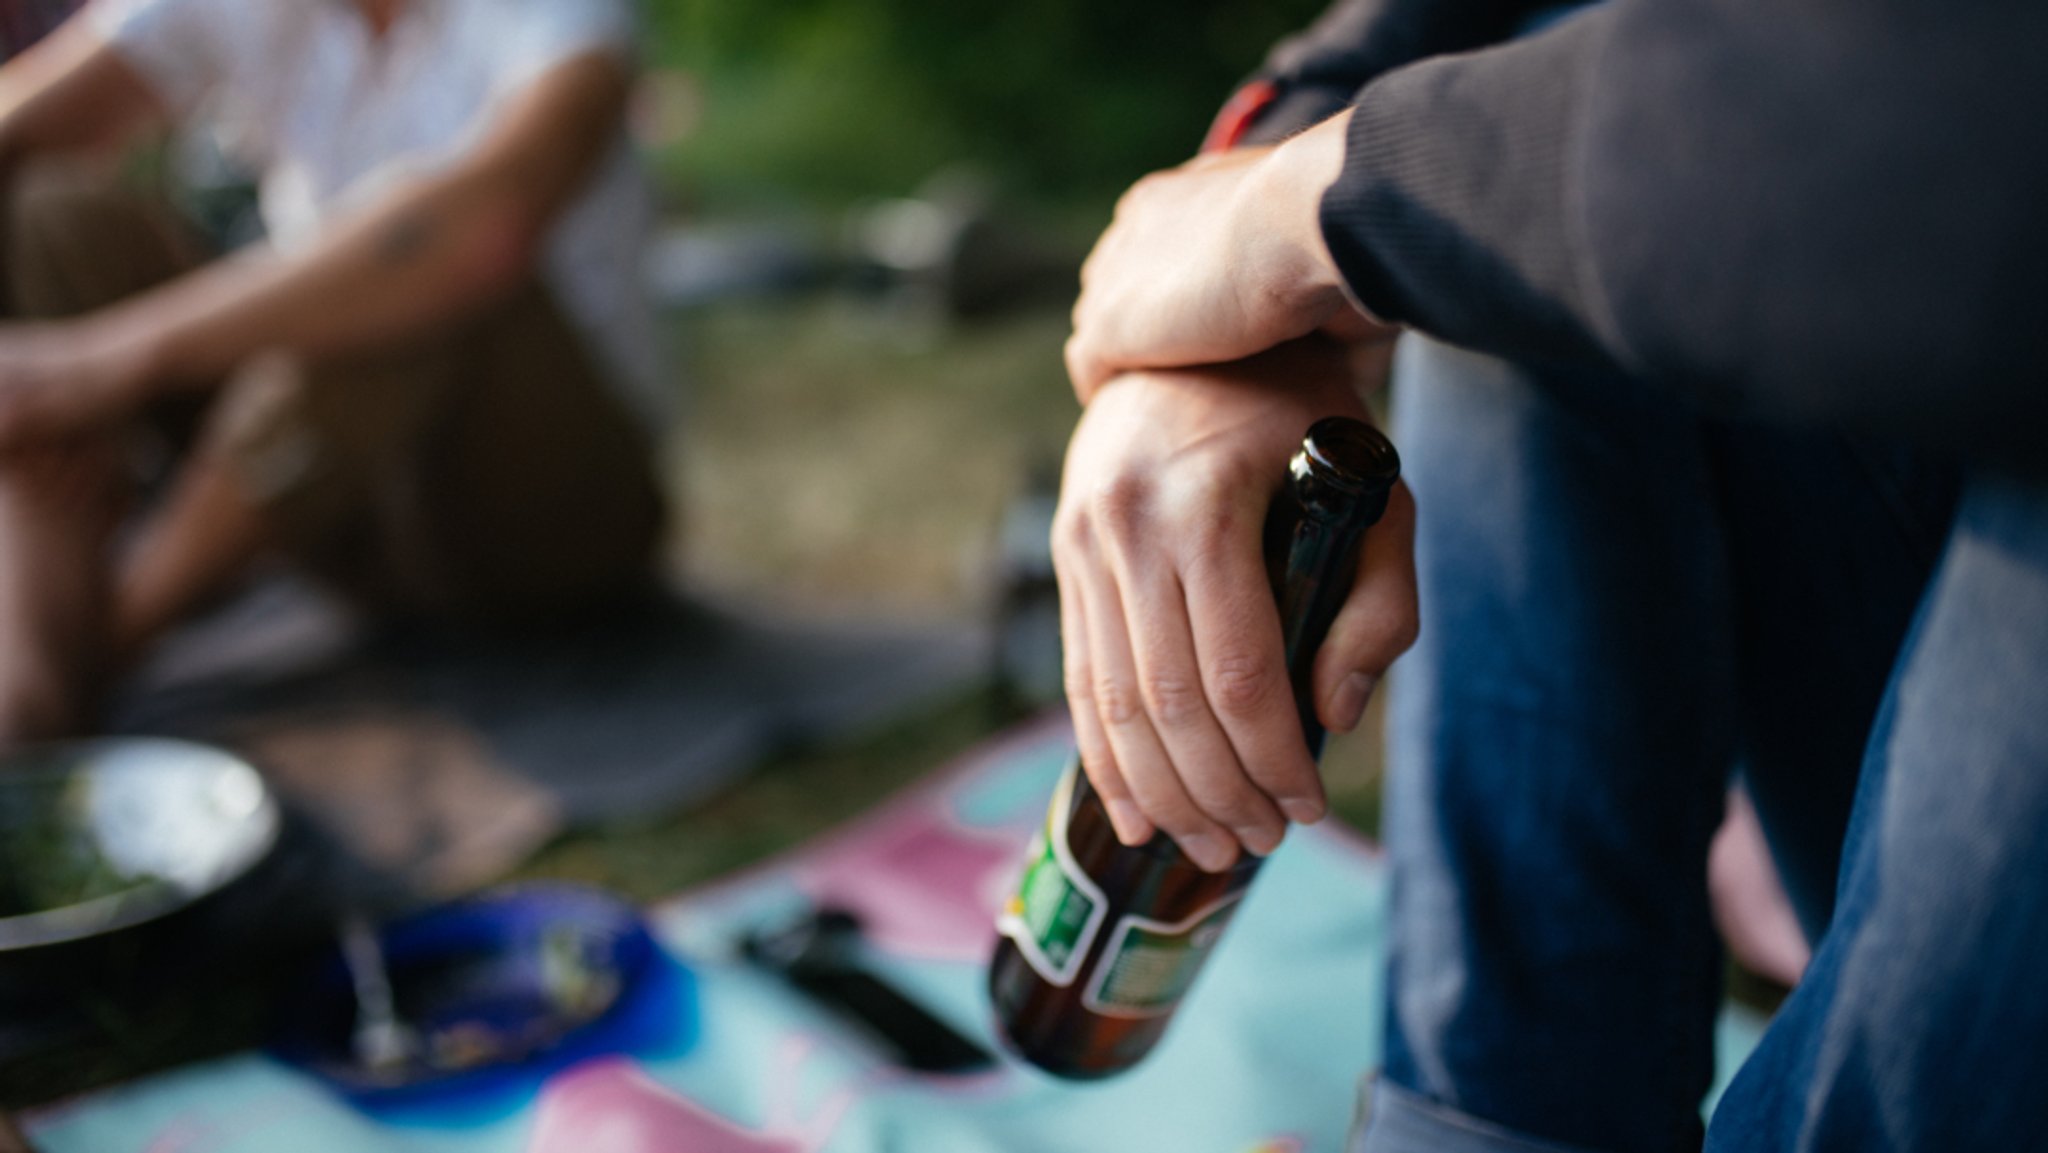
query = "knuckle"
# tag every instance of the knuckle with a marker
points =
(1212, 508)
(1118, 701)
(1080, 686)
(1121, 505)
(1208, 524)
(1241, 684)
(1175, 700)
(1070, 532)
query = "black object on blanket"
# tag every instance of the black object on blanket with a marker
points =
(820, 956)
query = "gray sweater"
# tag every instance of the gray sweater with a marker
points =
(1812, 211)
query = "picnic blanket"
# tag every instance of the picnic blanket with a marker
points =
(719, 1056)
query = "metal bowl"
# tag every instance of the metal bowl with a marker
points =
(97, 837)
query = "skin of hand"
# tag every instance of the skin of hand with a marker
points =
(1174, 667)
(428, 252)
(1219, 259)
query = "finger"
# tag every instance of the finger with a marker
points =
(1379, 620)
(1085, 369)
(1170, 685)
(1140, 756)
(1237, 642)
(1097, 760)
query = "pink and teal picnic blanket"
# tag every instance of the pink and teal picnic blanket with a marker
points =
(726, 1058)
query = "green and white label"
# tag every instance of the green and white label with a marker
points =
(1149, 964)
(1057, 910)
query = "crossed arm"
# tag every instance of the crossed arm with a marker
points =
(1820, 221)
(426, 252)
(1212, 330)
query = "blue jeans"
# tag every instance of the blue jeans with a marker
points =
(1623, 603)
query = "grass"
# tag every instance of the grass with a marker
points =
(846, 453)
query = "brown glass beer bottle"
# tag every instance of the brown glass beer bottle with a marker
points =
(1102, 940)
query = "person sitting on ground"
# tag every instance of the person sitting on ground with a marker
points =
(433, 387)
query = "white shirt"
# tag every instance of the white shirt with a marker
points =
(302, 92)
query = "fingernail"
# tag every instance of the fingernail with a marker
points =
(1209, 851)
(1131, 826)
(1303, 810)
(1347, 704)
(1261, 841)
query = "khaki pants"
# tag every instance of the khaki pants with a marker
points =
(486, 471)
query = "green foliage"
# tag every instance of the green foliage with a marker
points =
(1069, 99)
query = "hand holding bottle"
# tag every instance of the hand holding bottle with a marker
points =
(1102, 941)
(1175, 670)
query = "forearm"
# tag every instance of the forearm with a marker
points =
(1819, 222)
(427, 256)
(415, 260)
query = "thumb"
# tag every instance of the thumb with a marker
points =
(1378, 622)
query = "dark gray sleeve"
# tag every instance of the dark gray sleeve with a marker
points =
(1320, 71)
(1827, 212)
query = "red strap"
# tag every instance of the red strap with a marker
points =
(1237, 115)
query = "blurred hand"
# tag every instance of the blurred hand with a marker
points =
(1174, 666)
(1214, 261)
(61, 379)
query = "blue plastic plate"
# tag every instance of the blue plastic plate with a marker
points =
(492, 983)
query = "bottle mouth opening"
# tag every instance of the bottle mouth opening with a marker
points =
(1351, 455)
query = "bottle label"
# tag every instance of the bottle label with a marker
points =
(1058, 910)
(1149, 964)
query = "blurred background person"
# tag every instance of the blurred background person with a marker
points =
(432, 386)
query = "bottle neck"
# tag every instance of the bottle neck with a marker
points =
(1337, 488)
(1312, 570)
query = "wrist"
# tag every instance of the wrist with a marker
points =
(1283, 219)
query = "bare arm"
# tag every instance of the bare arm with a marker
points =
(426, 253)
(72, 92)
